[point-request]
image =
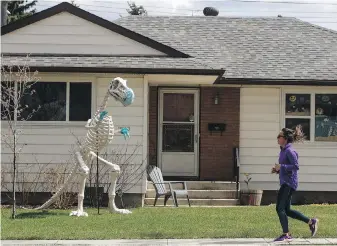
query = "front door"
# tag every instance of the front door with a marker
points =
(178, 136)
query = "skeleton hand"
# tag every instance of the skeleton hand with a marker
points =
(125, 132)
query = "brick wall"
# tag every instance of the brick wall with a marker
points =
(216, 160)
(216, 151)
(153, 121)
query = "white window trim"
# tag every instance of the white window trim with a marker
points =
(66, 122)
(312, 92)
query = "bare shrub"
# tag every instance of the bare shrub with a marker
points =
(57, 177)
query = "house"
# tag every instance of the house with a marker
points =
(204, 86)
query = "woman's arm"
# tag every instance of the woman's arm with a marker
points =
(293, 159)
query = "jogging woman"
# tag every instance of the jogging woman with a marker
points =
(288, 173)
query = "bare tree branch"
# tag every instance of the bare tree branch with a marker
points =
(16, 84)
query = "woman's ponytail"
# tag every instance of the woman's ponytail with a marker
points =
(296, 135)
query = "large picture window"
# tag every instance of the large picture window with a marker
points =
(51, 100)
(316, 112)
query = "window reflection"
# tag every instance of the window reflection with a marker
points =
(178, 107)
(80, 101)
(298, 104)
(305, 123)
(50, 97)
(326, 117)
(178, 138)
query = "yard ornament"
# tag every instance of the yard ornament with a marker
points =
(99, 135)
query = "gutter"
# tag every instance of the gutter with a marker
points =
(301, 82)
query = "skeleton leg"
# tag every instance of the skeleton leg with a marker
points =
(84, 174)
(112, 194)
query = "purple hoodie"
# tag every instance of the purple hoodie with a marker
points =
(288, 159)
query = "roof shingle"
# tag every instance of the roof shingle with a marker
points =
(264, 48)
(108, 62)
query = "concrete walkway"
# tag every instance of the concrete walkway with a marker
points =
(161, 242)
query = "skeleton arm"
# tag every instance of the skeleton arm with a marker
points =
(91, 123)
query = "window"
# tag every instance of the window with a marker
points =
(50, 100)
(50, 97)
(80, 101)
(326, 117)
(297, 112)
(317, 113)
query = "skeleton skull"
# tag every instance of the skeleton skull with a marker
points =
(121, 92)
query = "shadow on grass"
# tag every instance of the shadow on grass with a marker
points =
(38, 215)
(27, 238)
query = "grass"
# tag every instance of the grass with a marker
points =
(156, 223)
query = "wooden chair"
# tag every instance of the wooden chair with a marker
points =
(156, 177)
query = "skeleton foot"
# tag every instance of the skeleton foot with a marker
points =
(78, 213)
(113, 208)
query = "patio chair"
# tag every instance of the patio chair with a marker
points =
(156, 177)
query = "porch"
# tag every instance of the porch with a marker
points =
(193, 131)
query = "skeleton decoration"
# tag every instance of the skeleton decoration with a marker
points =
(100, 133)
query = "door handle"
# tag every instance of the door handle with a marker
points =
(196, 137)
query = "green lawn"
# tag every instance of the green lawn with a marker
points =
(151, 223)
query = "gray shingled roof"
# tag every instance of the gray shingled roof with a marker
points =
(261, 48)
(105, 62)
(257, 48)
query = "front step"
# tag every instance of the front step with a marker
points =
(194, 202)
(200, 185)
(202, 194)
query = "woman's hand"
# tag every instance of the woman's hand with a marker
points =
(273, 170)
(277, 167)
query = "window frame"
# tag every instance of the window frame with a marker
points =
(67, 81)
(312, 92)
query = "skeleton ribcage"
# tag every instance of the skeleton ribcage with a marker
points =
(99, 138)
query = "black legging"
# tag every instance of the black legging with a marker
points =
(283, 208)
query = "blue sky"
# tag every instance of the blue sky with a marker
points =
(319, 12)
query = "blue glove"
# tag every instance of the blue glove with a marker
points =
(125, 132)
(102, 114)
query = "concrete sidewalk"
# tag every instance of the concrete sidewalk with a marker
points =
(162, 242)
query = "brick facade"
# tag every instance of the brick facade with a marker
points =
(216, 151)
(153, 122)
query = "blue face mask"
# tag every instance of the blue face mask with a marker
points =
(130, 96)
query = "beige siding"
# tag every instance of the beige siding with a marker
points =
(65, 33)
(260, 123)
(49, 145)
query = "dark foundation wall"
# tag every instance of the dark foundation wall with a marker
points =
(302, 197)
(216, 151)
(129, 200)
